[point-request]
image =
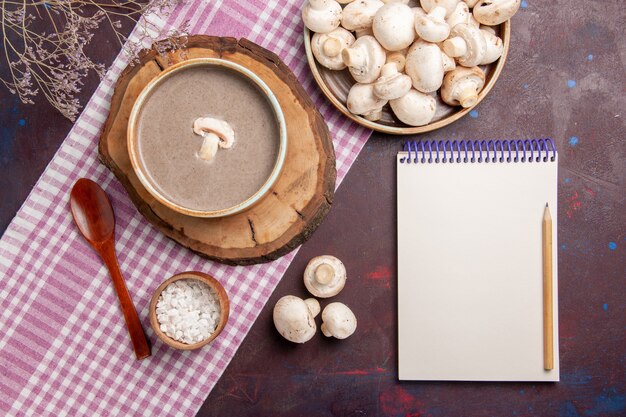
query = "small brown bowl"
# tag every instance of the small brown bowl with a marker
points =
(222, 298)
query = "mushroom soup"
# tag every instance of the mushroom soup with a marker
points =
(174, 156)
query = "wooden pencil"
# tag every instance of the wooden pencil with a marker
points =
(548, 339)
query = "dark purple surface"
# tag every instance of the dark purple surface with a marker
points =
(565, 79)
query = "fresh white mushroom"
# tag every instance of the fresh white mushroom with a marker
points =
(433, 27)
(394, 26)
(327, 47)
(424, 64)
(314, 306)
(494, 12)
(359, 14)
(338, 321)
(414, 108)
(398, 58)
(392, 84)
(322, 16)
(294, 318)
(449, 5)
(467, 44)
(363, 101)
(494, 49)
(216, 133)
(325, 276)
(461, 14)
(365, 59)
(461, 86)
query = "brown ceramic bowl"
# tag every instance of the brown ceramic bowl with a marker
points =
(133, 136)
(221, 295)
(336, 84)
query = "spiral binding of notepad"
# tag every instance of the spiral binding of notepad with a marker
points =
(478, 151)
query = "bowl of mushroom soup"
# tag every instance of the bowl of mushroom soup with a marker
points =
(401, 69)
(207, 138)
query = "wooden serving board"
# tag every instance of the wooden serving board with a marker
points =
(298, 201)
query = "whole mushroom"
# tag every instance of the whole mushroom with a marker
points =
(363, 101)
(325, 276)
(414, 108)
(494, 49)
(467, 44)
(494, 12)
(394, 26)
(392, 84)
(462, 86)
(365, 59)
(322, 16)
(294, 318)
(449, 5)
(424, 64)
(359, 15)
(338, 321)
(433, 27)
(461, 14)
(327, 47)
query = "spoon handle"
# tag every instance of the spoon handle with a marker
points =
(137, 335)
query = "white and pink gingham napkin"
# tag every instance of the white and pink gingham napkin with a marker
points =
(64, 348)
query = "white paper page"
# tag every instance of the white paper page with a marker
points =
(470, 281)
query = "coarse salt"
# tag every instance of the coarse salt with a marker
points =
(188, 310)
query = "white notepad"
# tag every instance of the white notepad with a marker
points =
(470, 281)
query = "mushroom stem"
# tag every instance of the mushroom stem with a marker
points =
(397, 58)
(353, 57)
(468, 97)
(324, 274)
(455, 47)
(209, 146)
(332, 47)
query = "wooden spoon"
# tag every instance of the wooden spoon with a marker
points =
(93, 214)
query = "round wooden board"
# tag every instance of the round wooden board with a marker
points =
(298, 201)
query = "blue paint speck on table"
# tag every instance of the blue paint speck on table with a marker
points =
(573, 141)
(21, 122)
(563, 246)
(568, 180)
(525, 86)
(524, 4)
(590, 57)
(612, 245)
(571, 83)
(605, 307)
(474, 114)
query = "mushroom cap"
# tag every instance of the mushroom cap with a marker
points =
(494, 49)
(432, 27)
(365, 59)
(414, 108)
(359, 14)
(448, 63)
(424, 64)
(392, 84)
(221, 128)
(494, 12)
(325, 276)
(327, 47)
(322, 16)
(293, 319)
(462, 85)
(362, 100)
(338, 321)
(394, 26)
(398, 58)
(314, 306)
(475, 45)
(461, 14)
(449, 5)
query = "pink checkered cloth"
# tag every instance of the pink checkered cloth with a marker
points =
(64, 348)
